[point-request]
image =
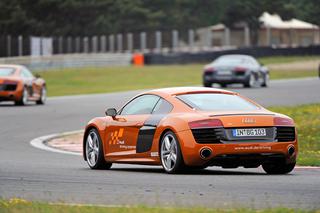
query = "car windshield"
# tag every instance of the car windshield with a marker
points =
(6, 71)
(217, 102)
(230, 60)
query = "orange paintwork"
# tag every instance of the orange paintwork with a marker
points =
(36, 83)
(177, 121)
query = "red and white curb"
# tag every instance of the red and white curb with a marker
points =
(41, 142)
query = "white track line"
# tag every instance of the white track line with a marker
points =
(40, 142)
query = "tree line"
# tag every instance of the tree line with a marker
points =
(98, 17)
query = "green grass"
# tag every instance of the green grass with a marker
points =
(75, 81)
(286, 59)
(20, 206)
(307, 119)
(110, 79)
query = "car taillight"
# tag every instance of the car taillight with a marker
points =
(208, 123)
(240, 69)
(209, 70)
(279, 121)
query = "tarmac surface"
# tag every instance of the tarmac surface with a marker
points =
(35, 174)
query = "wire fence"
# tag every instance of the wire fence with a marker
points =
(205, 39)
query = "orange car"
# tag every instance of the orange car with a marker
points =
(19, 85)
(192, 127)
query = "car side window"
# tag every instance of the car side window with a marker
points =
(254, 62)
(26, 73)
(141, 105)
(162, 107)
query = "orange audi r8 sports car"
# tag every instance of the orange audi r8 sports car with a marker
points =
(19, 85)
(192, 127)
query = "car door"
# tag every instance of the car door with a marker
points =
(32, 83)
(122, 133)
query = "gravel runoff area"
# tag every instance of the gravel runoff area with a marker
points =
(295, 66)
(69, 142)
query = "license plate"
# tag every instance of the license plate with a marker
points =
(224, 72)
(249, 132)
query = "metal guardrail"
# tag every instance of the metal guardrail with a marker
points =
(70, 60)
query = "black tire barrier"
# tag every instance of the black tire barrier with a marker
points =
(205, 57)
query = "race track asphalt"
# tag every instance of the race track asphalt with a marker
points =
(34, 174)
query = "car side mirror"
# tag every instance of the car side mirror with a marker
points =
(111, 112)
(37, 75)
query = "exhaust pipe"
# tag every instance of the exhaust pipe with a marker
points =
(291, 150)
(205, 153)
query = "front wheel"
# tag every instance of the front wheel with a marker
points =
(207, 84)
(278, 167)
(265, 82)
(94, 151)
(170, 153)
(251, 81)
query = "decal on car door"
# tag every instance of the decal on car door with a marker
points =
(146, 133)
(115, 136)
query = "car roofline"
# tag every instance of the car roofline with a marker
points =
(173, 91)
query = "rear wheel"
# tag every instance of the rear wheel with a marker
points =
(207, 84)
(278, 167)
(170, 153)
(94, 151)
(251, 81)
(43, 96)
(24, 98)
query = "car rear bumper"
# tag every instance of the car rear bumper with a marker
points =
(231, 155)
(234, 78)
(11, 95)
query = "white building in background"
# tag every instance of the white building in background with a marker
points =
(273, 32)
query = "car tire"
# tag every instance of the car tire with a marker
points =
(265, 82)
(94, 151)
(207, 84)
(43, 96)
(24, 98)
(251, 81)
(170, 153)
(278, 167)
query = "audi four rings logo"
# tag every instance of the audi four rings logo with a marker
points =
(248, 120)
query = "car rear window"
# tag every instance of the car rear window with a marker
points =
(231, 60)
(217, 102)
(6, 71)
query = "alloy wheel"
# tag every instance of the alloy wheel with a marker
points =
(92, 149)
(252, 80)
(43, 95)
(24, 96)
(169, 152)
